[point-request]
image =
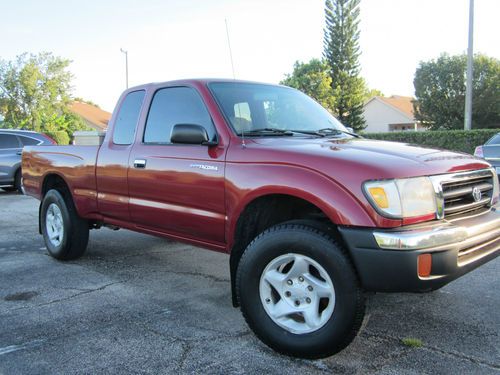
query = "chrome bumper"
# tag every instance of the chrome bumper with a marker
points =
(387, 260)
(465, 231)
(473, 237)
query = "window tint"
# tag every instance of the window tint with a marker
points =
(27, 141)
(128, 116)
(8, 141)
(172, 106)
(270, 107)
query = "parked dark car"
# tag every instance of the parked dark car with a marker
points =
(11, 147)
(490, 151)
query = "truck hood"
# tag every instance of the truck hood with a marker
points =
(380, 159)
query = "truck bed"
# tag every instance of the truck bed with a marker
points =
(76, 165)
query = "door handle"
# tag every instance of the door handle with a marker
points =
(19, 153)
(139, 163)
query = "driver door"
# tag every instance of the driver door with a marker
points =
(177, 189)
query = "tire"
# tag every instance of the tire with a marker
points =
(313, 329)
(18, 181)
(65, 234)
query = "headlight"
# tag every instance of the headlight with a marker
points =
(402, 198)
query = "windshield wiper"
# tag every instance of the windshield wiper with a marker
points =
(310, 132)
(334, 131)
(268, 131)
(325, 132)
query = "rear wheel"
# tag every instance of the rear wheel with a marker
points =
(65, 233)
(298, 291)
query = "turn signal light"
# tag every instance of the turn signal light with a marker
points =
(379, 196)
(424, 265)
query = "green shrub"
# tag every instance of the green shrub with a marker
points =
(60, 136)
(455, 140)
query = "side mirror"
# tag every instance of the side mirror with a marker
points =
(350, 130)
(189, 134)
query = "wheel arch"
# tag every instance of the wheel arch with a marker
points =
(266, 210)
(52, 181)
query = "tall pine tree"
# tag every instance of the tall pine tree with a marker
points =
(341, 51)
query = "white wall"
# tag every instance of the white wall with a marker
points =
(378, 116)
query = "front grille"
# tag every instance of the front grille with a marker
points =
(459, 194)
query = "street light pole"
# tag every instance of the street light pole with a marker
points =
(470, 70)
(126, 66)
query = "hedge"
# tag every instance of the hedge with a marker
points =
(455, 140)
(60, 136)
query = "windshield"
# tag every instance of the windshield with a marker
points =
(254, 107)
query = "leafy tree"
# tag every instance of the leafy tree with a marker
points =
(341, 51)
(35, 94)
(370, 93)
(440, 92)
(312, 78)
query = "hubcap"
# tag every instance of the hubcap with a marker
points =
(297, 293)
(54, 224)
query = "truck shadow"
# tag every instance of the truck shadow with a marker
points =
(453, 321)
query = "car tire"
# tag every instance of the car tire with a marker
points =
(18, 184)
(65, 233)
(313, 329)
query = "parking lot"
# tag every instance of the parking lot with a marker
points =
(139, 304)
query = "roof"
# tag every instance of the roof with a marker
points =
(91, 113)
(402, 103)
(18, 131)
(194, 82)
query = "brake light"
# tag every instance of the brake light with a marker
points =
(479, 152)
(50, 139)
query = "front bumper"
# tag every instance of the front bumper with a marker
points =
(387, 259)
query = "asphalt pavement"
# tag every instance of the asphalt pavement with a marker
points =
(136, 304)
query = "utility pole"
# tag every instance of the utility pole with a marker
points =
(126, 66)
(470, 70)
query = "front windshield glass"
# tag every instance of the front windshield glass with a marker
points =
(252, 107)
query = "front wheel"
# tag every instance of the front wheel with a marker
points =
(65, 234)
(298, 291)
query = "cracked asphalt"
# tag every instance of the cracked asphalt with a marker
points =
(143, 305)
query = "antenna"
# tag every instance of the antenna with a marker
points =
(243, 144)
(229, 45)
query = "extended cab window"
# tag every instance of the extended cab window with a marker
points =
(172, 106)
(127, 118)
(8, 141)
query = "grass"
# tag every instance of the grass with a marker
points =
(412, 342)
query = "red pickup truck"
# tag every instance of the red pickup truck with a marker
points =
(311, 214)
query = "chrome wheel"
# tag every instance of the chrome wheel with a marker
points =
(297, 293)
(54, 224)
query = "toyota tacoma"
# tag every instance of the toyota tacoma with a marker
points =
(312, 215)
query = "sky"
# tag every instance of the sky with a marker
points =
(168, 39)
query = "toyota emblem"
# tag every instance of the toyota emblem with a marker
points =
(476, 194)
